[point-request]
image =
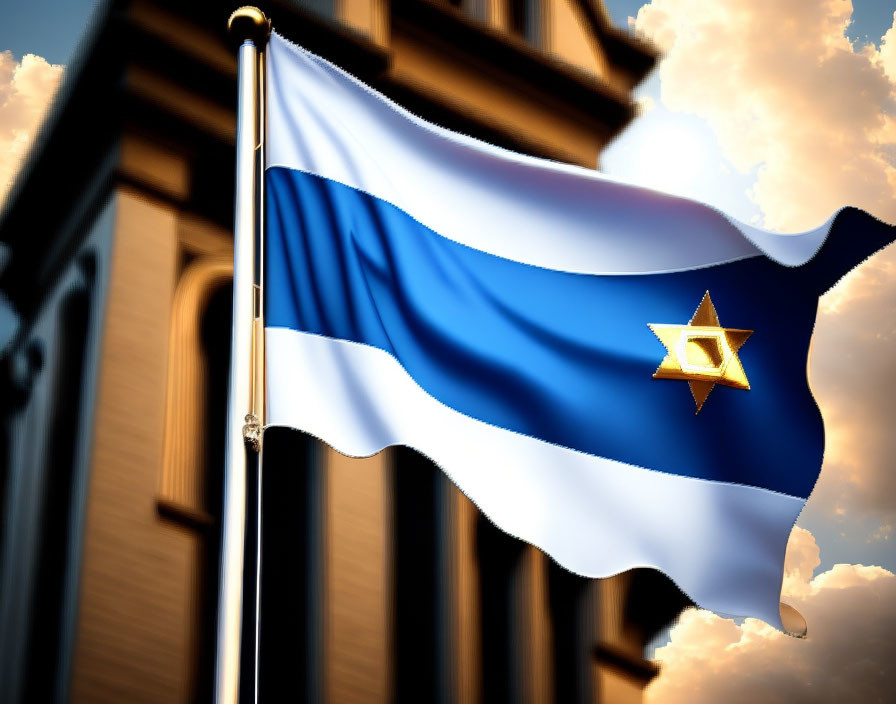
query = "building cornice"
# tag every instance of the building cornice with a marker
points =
(592, 99)
(628, 53)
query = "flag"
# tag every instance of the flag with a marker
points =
(614, 375)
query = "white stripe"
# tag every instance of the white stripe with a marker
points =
(539, 212)
(722, 543)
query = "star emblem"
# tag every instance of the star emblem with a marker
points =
(703, 353)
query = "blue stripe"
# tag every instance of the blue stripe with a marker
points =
(567, 358)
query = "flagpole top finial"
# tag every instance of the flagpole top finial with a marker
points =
(248, 23)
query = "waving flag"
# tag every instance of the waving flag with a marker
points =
(615, 375)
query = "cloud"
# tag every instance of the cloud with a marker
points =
(846, 657)
(887, 54)
(26, 89)
(646, 104)
(786, 92)
(853, 376)
(800, 562)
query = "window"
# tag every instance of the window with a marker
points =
(525, 19)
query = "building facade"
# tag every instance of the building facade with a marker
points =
(379, 581)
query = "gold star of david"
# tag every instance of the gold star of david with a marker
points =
(703, 353)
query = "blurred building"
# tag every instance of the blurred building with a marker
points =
(380, 581)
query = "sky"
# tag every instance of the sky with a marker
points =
(778, 113)
(49, 28)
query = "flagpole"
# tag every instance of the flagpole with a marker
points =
(250, 27)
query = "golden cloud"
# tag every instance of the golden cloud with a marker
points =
(887, 54)
(846, 657)
(800, 562)
(853, 375)
(785, 90)
(26, 89)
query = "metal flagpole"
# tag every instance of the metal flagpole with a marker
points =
(250, 27)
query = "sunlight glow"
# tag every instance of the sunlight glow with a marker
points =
(671, 158)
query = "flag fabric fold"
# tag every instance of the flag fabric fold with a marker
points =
(499, 313)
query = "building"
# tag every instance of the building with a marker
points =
(380, 582)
